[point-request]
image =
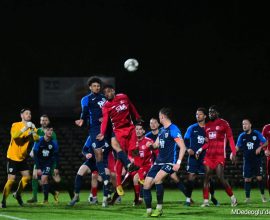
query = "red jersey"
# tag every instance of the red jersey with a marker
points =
(119, 110)
(217, 134)
(145, 152)
(266, 134)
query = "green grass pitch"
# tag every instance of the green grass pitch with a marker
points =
(173, 208)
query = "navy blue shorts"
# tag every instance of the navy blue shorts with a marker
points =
(195, 166)
(46, 168)
(91, 163)
(95, 143)
(155, 168)
(252, 168)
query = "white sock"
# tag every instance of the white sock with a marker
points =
(159, 206)
(149, 210)
(206, 201)
(188, 199)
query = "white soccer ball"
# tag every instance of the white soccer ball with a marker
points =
(131, 65)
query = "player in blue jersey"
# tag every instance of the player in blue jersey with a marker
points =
(168, 161)
(194, 139)
(251, 142)
(46, 158)
(92, 114)
(89, 166)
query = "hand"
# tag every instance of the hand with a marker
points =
(100, 119)
(267, 153)
(39, 172)
(176, 167)
(190, 152)
(79, 122)
(29, 124)
(258, 150)
(33, 126)
(233, 158)
(31, 153)
(88, 156)
(198, 152)
(100, 137)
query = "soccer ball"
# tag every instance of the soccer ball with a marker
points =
(131, 65)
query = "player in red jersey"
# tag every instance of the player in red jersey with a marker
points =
(266, 134)
(144, 163)
(218, 132)
(119, 109)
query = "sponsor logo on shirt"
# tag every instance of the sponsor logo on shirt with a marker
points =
(254, 138)
(120, 108)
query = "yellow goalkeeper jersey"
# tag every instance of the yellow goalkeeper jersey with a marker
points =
(20, 141)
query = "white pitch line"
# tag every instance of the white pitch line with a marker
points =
(12, 217)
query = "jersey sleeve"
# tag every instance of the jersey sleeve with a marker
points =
(229, 135)
(104, 123)
(176, 133)
(261, 137)
(239, 142)
(133, 110)
(85, 110)
(187, 137)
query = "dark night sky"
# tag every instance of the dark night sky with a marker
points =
(205, 43)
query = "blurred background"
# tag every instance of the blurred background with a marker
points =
(190, 54)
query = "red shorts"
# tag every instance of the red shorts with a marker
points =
(111, 162)
(213, 163)
(143, 171)
(127, 138)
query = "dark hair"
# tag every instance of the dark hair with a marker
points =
(214, 107)
(202, 109)
(108, 86)
(25, 109)
(44, 116)
(247, 119)
(140, 124)
(93, 79)
(166, 111)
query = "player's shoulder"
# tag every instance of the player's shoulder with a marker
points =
(192, 126)
(147, 139)
(121, 95)
(255, 131)
(266, 127)
(174, 127)
(86, 97)
(17, 124)
(242, 134)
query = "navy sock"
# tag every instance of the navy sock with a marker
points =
(160, 193)
(247, 189)
(46, 191)
(121, 155)
(78, 183)
(189, 188)
(261, 186)
(101, 170)
(182, 188)
(141, 191)
(147, 198)
(212, 187)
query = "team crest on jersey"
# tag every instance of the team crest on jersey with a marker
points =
(10, 170)
(50, 146)
(217, 128)
(166, 135)
(254, 138)
(94, 145)
(143, 147)
(122, 102)
(212, 135)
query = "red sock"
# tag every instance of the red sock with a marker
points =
(118, 171)
(228, 190)
(137, 191)
(94, 191)
(205, 192)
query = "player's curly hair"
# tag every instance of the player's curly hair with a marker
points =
(94, 79)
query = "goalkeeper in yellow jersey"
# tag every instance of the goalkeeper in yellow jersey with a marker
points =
(22, 134)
